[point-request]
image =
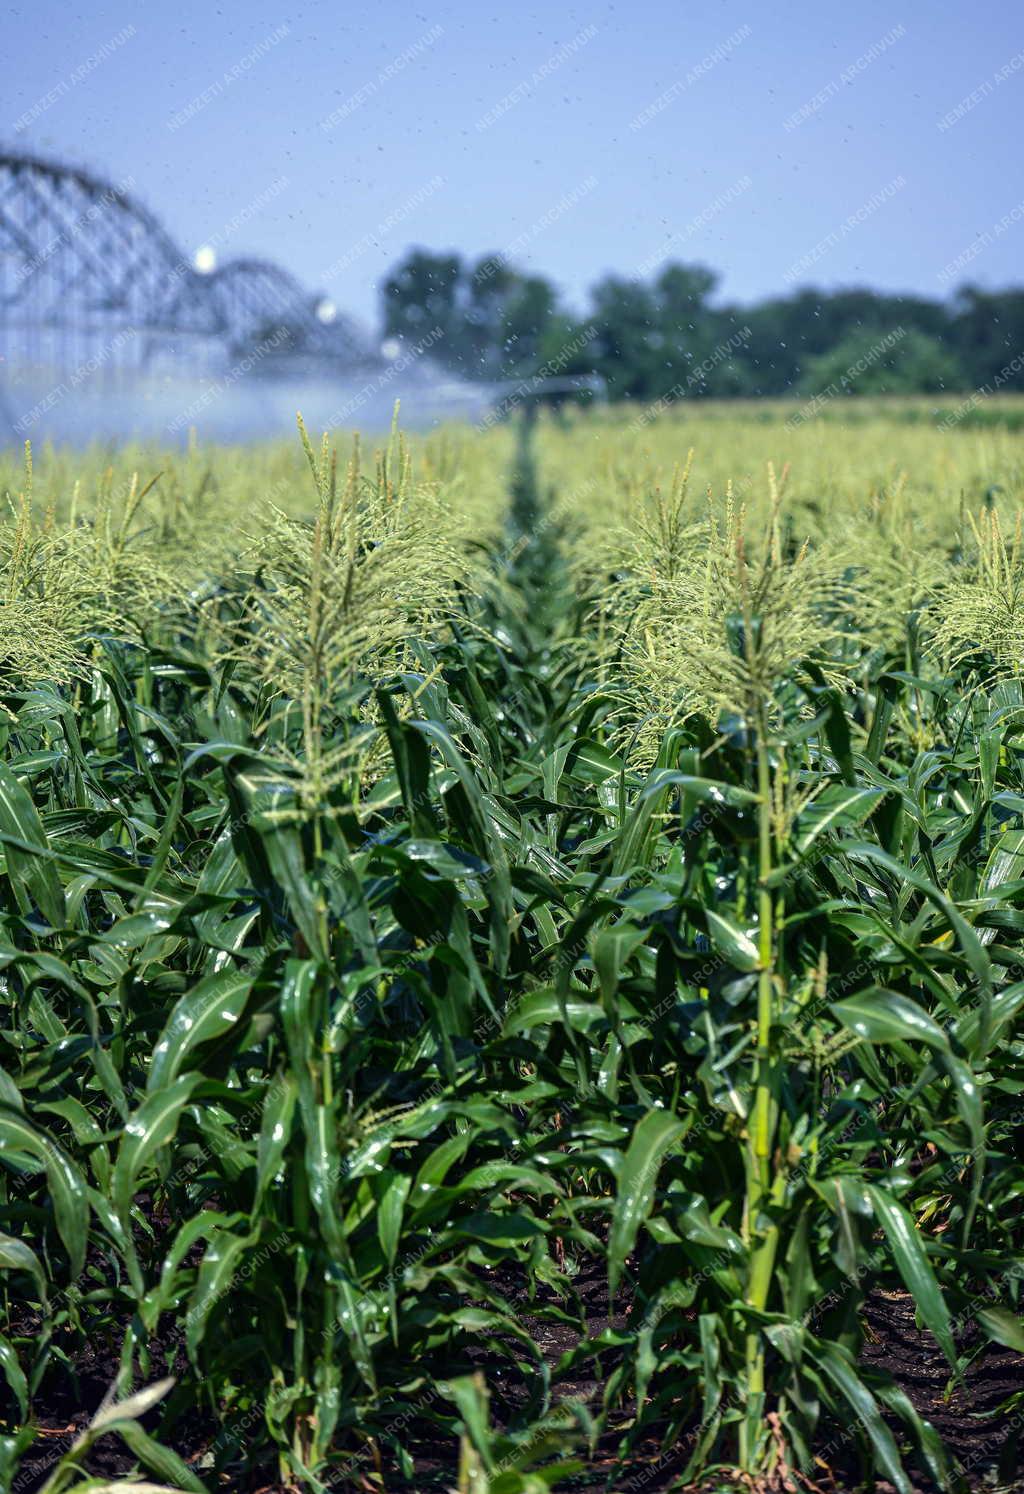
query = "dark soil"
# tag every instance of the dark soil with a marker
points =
(963, 1415)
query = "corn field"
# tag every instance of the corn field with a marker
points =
(512, 960)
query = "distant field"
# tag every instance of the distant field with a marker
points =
(511, 956)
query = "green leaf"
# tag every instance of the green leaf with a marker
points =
(612, 949)
(837, 807)
(14, 1375)
(270, 801)
(389, 1214)
(883, 1016)
(734, 944)
(275, 1131)
(499, 1229)
(31, 872)
(207, 1011)
(66, 1184)
(590, 761)
(970, 944)
(1002, 1327)
(908, 1251)
(841, 1370)
(470, 1396)
(928, 1439)
(654, 1134)
(147, 1129)
(543, 1008)
(16, 1255)
(162, 1461)
(216, 1273)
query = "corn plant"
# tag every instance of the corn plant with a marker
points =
(433, 883)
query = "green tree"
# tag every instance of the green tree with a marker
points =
(628, 349)
(493, 319)
(988, 334)
(883, 361)
(490, 321)
(687, 331)
(425, 292)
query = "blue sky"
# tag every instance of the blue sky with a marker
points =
(778, 143)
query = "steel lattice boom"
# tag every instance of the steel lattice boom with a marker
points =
(88, 273)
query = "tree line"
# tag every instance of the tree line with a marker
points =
(667, 336)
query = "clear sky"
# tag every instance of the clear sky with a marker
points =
(780, 143)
